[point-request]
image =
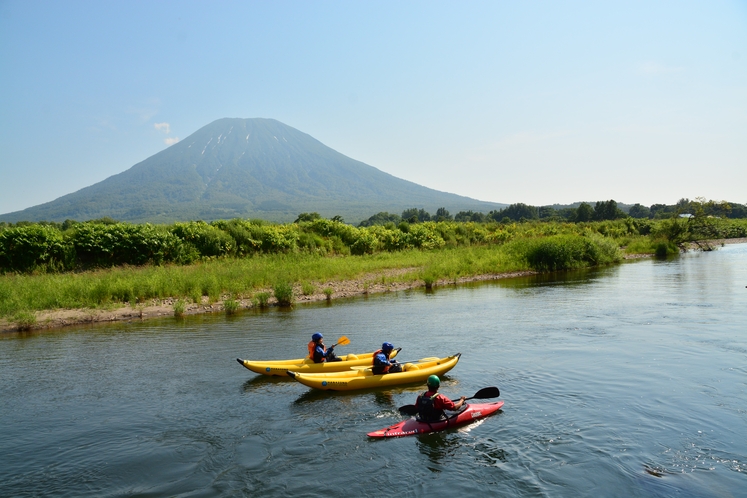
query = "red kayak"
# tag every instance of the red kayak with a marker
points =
(413, 426)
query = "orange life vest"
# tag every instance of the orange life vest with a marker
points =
(384, 368)
(312, 348)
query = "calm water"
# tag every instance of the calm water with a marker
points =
(628, 381)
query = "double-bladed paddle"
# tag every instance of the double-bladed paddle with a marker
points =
(421, 360)
(484, 393)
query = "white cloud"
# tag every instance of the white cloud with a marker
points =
(164, 127)
(170, 141)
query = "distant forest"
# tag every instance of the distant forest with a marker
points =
(576, 213)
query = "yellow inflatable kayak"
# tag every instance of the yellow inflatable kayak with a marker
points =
(363, 378)
(306, 365)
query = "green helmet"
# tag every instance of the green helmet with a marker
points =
(433, 381)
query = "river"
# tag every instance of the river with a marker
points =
(629, 380)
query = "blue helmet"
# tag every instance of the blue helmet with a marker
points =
(387, 346)
(316, 336)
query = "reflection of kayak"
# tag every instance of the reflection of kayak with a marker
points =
(363, 378)
(280, 367)
(412, 426)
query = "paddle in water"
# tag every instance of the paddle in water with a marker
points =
(484, 393)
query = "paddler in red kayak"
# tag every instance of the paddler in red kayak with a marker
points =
(319, 352)
(431, 404)
(381, 362)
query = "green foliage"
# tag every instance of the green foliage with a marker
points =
(247, 235)
(467, 216)
(307, 217)
(307, 288)
(24, 320)
(231, 306)
(328, 291)
(283, 292)
(179, 308)
(638, 211)
(584, 213)
(607, 211)
(207, 239)
(262, 299)
(381, 218)
(34, 247)
(103, 245)
(516, 212)
(564, 252)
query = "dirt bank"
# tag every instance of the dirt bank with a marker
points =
(368, 284)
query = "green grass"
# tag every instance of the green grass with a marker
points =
(179, 308)
(255, 276)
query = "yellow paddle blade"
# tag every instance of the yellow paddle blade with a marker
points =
(343, 341)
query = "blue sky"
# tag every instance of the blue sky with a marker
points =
(534, 102)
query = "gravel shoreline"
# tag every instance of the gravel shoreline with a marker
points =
(368, 284)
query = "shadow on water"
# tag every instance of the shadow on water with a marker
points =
(383, 398)
(439, 446)
(261, 381)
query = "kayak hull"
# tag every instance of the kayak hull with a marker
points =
(365, 379)
(412, 426)
(306, 365)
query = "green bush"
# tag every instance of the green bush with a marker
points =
(231, 306)
(208, 240)
(283, 293)
(564, 252)
(179, 308)
(104, 245)
(34, 247)
(262, 298)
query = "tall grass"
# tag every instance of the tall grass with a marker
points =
(253, 276)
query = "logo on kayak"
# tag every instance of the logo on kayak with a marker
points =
(324, 382)
(476, 414)
(267, 369)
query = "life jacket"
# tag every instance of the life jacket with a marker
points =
(379, 369)
(427, 411)
(312, 351)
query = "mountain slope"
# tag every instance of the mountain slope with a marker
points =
(249, 168)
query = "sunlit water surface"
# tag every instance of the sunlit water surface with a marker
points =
(625, 381)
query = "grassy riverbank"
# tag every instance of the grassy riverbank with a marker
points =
(326, 269)
(259, 278)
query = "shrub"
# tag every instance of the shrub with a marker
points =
(104, 245)
(207, 239)
(564, 252)
(262, 298)
(231, 306)
(283, 293)
(34, 247)
(179, 308)
(328, 291)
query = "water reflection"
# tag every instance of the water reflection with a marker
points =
(439, 447)
(259, 382)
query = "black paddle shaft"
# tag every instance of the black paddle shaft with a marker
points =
(484, 393)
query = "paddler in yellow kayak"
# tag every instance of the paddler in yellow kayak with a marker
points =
(318, 352)
(381, 362)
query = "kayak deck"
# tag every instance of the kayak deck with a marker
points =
(412, 426)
